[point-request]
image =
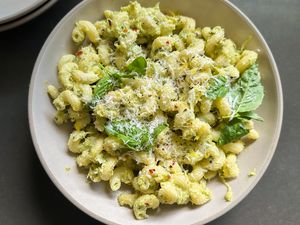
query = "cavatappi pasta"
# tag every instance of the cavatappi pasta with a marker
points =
(157, 103)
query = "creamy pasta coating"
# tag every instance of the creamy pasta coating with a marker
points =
(158, 104)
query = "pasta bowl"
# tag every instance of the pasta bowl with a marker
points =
(50, 140)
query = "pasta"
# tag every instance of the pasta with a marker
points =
(158, 104)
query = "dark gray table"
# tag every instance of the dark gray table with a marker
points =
(27, 196)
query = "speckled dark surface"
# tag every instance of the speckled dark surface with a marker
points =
(27, 195)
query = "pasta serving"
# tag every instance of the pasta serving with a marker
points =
(157, 103)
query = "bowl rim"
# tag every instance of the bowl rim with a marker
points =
(20, 12)
(27, 17)
(235, 201)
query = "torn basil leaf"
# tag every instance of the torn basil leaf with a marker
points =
(157, 130)
(134, 135)
(218, 88)
(111, 80)
(138, 66)
(249, 116)
(247, 93)
(104, 85)
(233, 131)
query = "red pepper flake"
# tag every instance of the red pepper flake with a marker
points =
(79, 53)
(125, 30)
(167, 42)
(146, 203)
(151, 171)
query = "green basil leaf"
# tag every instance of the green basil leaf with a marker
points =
(219, 87)
(233, 131)
(138, 66)
(247, 93)
(135, 137)
(249, 116)
(111, 80)
(157, 130)
(104, 85)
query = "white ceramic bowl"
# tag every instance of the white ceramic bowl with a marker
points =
(27, 17)
(50, 140)
(12, 9)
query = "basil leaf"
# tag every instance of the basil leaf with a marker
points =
(135, 137)
(247, 93)
(249, 116)
(104, 85)
(232, 132)
(138, 66)
(219, 87)
(111, 80)
(157, 130)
